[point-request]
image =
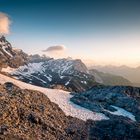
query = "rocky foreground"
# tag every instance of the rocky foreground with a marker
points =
(30, 115)
(108, 99)
(120, 103)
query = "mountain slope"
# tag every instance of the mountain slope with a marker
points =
(60, 97)
(30, 115)
(111, 100)
(66, 74)
(110, 79)
(127, 72)
(9, 56)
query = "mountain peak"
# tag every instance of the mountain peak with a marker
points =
(2, 38)
(10, 57)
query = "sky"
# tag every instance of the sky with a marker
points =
(100, 32)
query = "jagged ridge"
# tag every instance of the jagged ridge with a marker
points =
(9, 56)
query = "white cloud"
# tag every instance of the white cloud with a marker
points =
(4, 23)
(56, 48)
(57, 51)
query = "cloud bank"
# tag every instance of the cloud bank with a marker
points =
(4, 23)
(56, 48)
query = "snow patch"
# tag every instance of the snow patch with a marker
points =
(48, 77)
(4, 49)
(29, 69)
(122, 112)
(67, 83)
(60, 97)
(84, 82)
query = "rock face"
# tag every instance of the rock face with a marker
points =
(114, 102)
(30, 115)
(36, 58)
(107, 99)
(27, 115)
(114, 129)
(69, 74)
(9, 56)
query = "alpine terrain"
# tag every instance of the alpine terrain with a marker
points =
(61, 99)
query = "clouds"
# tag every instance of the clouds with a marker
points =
(57, 51)
(4, 23)
(57, 48)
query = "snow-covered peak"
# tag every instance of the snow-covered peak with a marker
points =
(5, 47)
(9, 56)
(64, 65)
(71, 74)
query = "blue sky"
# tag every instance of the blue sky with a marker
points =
(98, 31)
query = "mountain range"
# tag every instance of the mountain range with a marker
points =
(66, 73)
(127, 72)
(45, 98)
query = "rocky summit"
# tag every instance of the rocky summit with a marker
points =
(10, 56)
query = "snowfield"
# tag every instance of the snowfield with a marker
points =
(61, 98)
(122, 112)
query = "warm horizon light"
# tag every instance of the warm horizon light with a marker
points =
(88, 30)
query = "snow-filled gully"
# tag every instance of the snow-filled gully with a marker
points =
(62, 99)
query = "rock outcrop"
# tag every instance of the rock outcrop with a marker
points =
(114, 129)
(106, 99)
(70, 74)
(9, 56)
(30, 115)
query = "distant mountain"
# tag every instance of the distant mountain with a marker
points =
(36, 58)
(109, 79)
(33, 112)
(66, 74)
(9, 56)
(132, 74)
